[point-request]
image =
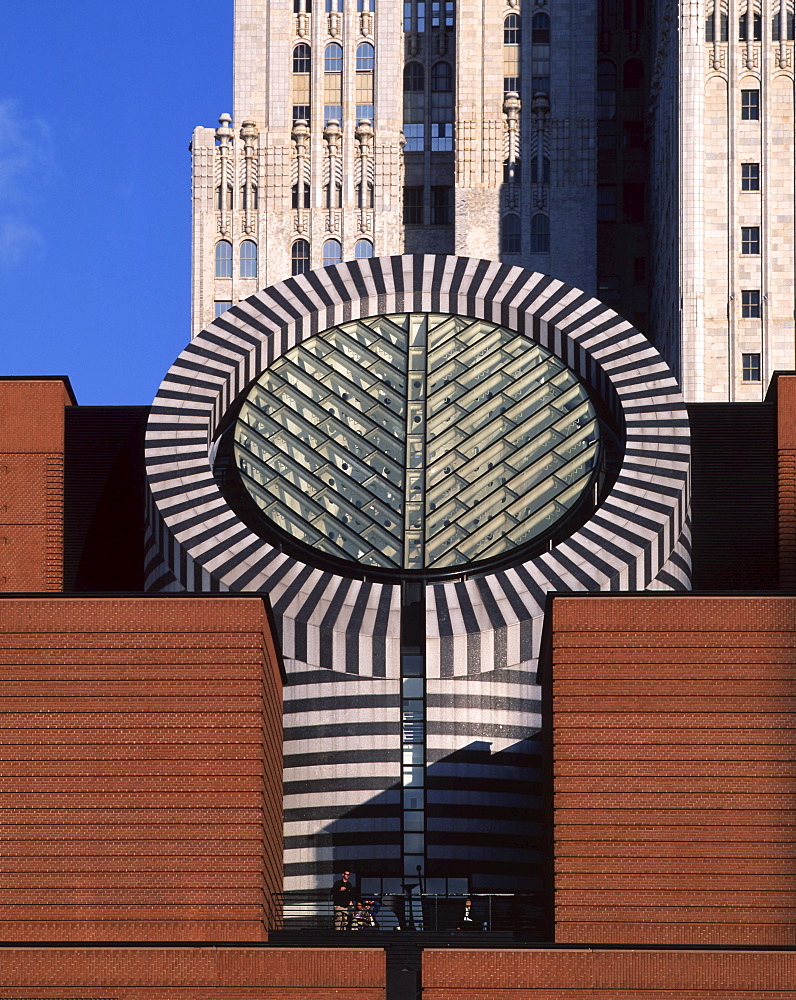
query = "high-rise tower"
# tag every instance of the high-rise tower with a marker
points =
(365, 128)
(724, 116)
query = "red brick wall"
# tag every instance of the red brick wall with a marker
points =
(140, 769)
(31, 484)
(192, 973)
(674, 732)
(608, 975)
(786, 449)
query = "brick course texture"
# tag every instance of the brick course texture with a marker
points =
(32, 484)
(140, 769)
(674, 782)
(200, 973)
(786, 465)
(608, 975)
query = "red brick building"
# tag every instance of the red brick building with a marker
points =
(140, 786)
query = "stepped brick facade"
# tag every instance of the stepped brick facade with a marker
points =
(673, 783)
(140, 796)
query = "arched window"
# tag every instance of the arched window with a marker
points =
(414, 78)
(366, 58)
(333, 82)
(633, 74)
(510, 238)
(364, 82)
(442, 106)
(512, 33)
(540, 233)
(442, 77)
(414, 106)
(540, 29)
(333, 58)
(302, 58)
(540, 54)
(248, 259)
(512, 30)
(363, 249)
(300, 257)
(224, 259)
(540, 176)
(332, 253)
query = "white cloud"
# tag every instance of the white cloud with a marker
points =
(24, 159)
(16, 239)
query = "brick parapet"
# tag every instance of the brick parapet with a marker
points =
(32, 483)
(607, 975)
(158, 973)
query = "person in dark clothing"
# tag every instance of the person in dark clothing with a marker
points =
(343, 897)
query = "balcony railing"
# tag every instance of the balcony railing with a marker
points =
(312, 910)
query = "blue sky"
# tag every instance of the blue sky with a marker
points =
(97, 105)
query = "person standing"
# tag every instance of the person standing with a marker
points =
(343, 896)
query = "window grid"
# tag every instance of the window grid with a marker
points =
(413, 205)
(223, 259)
(751, 368)
(300, 257)
(750, 302)
(248, 259)
(750, 105)
(750, 239)
(750, 176)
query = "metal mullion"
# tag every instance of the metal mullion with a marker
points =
(365, 348)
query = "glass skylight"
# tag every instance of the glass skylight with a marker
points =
(416, 441)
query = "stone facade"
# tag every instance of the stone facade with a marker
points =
(736, 196)
(475, 143)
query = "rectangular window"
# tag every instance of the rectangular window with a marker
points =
(301, 112)
(332, 112)
(442, 13)
(364, 112)
(750, 176)
(415, 15)
(540, 84)
(441, 137)
(413, 205)
(750, 302)
(441, 205)
(415, 137)
(606, 202)
(751, 367)
(750, 105)
(750, 239)
(221, 307)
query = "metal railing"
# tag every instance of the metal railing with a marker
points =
(312, 910)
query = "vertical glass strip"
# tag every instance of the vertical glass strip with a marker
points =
(414, 526)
